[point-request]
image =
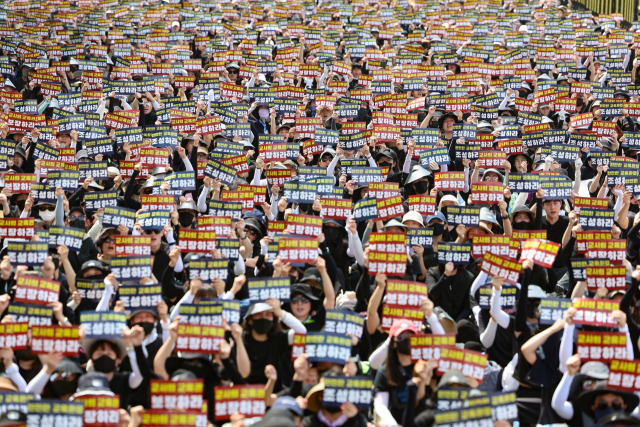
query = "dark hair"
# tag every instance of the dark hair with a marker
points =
(99, 343)
(395, 377)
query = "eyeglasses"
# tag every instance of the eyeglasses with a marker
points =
(80, 217)
(616, 405)
(299, 300)
(152, 231)
(250, 230)
(47, 208)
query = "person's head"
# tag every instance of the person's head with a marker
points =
(107, 243)
(395, 226)
(147, 105)
(50, 267)
(260, 320)
(64, 139)
(552, 208)
(492, 175)
(105, 356)
(607, 403)
(437, 223)
(203, 153)
(325, 112)
(544, 109)
(302, 300)
(522, 217)
(263, 112)
(446, 123)
(413, 220)
(233, 73)
(418, 180)
(521, 163)
(77, 218)
(156, 238)
(326, 157)
(146, 319)
(187, 213)
(64, 380)
(47, 212)
(400, 335)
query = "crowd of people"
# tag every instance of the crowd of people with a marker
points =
(341, 214)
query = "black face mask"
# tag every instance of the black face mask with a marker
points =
(185, 219)
(63, 388)
(421, 187)
(332, 235)
(147, 326)
(262, 326)
(108, 184)
(520, 225)
(95, 277)
(385, 164)
(403, 347)
(104, 364)
(438, 229)
(332, 409)
(77, 223)
(20, 204)
(25, 355)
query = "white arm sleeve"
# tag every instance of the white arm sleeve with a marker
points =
(566, 346)
(36, 385)
(356, 245)
(135, 378)
(406, 168)
(187, 165)
(294, 324)
(202, 200)
(480, 280)
(501, 317)
(13, 372)
(238, 266)
(372, 161)
(559, 400)
(508, 382)
(332, 166)
(380, 407)
(256, 177)
(629, 342)
(103, 305)
(379, 355)
(488, 336)
(436, 327)
(186, 299)
(466, 180)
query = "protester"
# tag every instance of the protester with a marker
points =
(319, 214)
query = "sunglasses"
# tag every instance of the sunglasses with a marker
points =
(251, 230)
(299, 300)
(616, 405)
(109, 240)
(47, 208)
(232, 71)
(326, 159)
(404, 336)
(81, 217)
(62, 376)
(152, 231)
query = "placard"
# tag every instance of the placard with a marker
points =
(601, 346)
(261, 289)
(59, 339)
(355, 390)
(429, 346)
(199, 338)
(247, 400)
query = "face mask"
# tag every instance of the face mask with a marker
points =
(385, 164)
(108, 184)
(262, 326)
(438, 229)
(403, 347)
(104, 364)
(63, 388)
(185, 219)
(332, 409)
(263, 113)
(147, 326)
(20, 204)
(77, 223)
(601, 413)
(332, 235)
(421, 187)
(520, 225)
(47, 215)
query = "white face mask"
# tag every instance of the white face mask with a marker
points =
(47, 215)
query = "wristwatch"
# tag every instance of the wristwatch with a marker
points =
(505, 216)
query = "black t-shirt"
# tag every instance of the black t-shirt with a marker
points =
(274, 351)
(397, 395)
(555, 233)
